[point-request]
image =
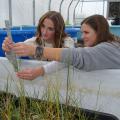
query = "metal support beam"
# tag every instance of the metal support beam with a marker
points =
(75, 11)
(103, 6)
(60, 6)
(10, 11)
(69, 10)
(34, 12)
(49, 7)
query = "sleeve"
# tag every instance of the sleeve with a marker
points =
(30, 41)
(53, 66)
(73, 56)
(103, 56)
(69, 42)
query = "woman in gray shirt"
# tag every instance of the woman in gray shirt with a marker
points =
(101, 48)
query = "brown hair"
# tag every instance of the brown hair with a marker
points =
(101, 27)
(59, 25)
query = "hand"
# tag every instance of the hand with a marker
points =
(30, 73)
(22, 49)
(7, 44)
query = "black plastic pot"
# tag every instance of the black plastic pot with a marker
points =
(89, 114)
(95, 115)
(78, 112)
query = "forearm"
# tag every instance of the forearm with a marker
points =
(52, 53)
(53, 67)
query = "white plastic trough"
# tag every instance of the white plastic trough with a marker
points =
(96, 90)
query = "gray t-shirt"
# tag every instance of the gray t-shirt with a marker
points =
(102, 56)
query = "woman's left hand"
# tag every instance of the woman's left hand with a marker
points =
(22, 49)
(30, 73)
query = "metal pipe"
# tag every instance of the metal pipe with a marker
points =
(34, 12)
(49, 7)
(60, 6)
(10, 11)
(69, 10)
(75, 11)
(103, 6)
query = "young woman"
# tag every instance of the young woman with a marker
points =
(50, 33)
(101, 48)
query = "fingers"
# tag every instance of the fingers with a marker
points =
(30, 73)
(7, 44)
(5, 48)
(22, 49)
(19, 49)
(25, 74)
(8, 40)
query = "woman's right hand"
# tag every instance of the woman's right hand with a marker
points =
(7, 44)
(30, 73)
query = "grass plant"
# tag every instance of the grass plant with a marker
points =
(49, 107)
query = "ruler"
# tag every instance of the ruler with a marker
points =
(11, 56)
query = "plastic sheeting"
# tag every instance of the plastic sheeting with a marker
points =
(95, 90)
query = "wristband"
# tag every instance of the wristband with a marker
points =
(39, 52)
